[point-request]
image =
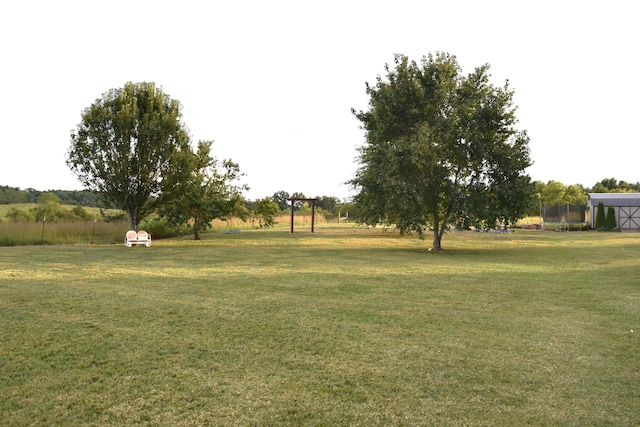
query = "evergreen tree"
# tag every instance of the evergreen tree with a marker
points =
(600, 217)
(610, 222)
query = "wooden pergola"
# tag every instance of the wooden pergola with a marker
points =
(313, 210)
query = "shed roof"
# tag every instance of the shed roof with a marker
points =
(615, 199)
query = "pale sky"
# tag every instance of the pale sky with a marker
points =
(273, 82)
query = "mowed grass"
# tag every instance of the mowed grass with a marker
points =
(346, 326)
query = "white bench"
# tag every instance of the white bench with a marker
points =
(140, 238)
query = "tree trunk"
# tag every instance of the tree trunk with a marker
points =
(133, 222)
(196, 229)
(437, 240)
(437, 235)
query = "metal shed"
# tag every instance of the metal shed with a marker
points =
(625, 205)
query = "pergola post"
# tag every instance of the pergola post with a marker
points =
(313, 211)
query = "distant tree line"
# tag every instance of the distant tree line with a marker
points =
(328, 204)
(10, 195)
(555, 193)
(48, 208)
(551, 193)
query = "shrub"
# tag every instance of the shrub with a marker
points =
(159, 228)
(78, 213)
(18, 215)
(600, 217)
(610, 222)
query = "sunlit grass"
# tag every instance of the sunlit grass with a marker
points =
(346, 326)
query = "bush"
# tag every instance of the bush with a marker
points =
(18, 215)
(610, 223)
(566, 226)
(159, 228)
(600, 217)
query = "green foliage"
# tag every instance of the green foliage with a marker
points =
(282, 199)
(18, 215)
(611, 185)
(9, 195)
(553, 193)
(201, 189)
(48, 208)
(297, 205)
(576, 195)
(160, 228)
(328, 204)
(112, 216)
(556, 193)
(264, 212)
(12, 195)
(440, 146)
(122, 148)
(600, 217)
(610, 223)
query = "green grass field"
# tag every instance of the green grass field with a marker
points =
(346, 326)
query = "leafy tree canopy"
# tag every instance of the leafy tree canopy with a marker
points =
(122, 148)
(557, 193)
(203, 188)
(264, 212)
(611, 185)
(282, 199)
(440, 146)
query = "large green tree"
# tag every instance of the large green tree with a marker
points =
(122, 148)
(203, 188)
(440, 146)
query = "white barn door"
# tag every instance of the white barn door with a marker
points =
(629, 217)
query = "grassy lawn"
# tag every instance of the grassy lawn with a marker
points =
(345, 326)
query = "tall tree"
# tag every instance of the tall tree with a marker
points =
(327, 203)
(553, 193)
(576, 194)
(282, 199)
(201, 189)
(123, 146)
(439, 146)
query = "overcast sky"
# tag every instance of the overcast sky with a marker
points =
(273, 82)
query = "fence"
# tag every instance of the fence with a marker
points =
(564, 213)
(565, 217)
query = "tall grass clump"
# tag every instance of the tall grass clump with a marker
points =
(282, 222)
(54, 233)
